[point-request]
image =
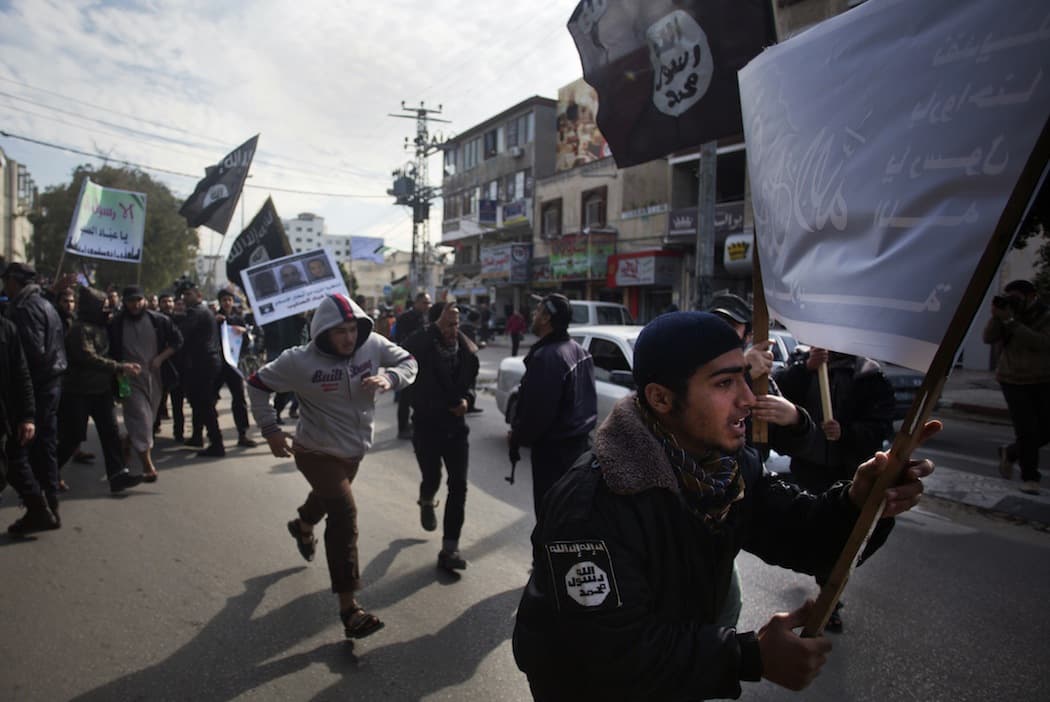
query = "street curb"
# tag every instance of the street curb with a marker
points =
(999, 414)
(1014, 516)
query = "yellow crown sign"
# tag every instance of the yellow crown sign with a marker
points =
(738, 250)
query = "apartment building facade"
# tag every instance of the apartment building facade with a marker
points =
(488, 189)
(17, 195)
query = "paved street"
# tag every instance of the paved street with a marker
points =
(191, 589)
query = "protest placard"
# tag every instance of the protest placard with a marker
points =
(291, 285)
(232, 341)
(107, 223)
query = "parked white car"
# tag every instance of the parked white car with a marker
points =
(611, 346)
(594, 313)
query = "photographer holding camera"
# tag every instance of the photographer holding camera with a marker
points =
(1021, 323)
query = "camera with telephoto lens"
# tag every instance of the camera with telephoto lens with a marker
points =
(1006, 302)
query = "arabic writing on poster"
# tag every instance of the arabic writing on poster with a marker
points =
(877, 187)
(107, 223)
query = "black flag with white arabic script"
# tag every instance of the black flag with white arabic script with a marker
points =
(665, 70)
(215, 198)
(262, 240)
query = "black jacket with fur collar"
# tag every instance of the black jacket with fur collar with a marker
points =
(627, 581)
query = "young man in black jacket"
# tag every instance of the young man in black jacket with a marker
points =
(633, 551)
(230, 376)
(448, 367)
(201, 360)
(33, 471)
(557, 403)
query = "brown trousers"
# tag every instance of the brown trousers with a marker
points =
(330, 478)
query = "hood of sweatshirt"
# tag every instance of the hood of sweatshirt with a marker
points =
(336, 309)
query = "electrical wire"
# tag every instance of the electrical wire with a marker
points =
(157, 169)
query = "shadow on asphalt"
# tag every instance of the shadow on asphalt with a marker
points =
(88, 481)
(238, 651)
(468, 640)
(232, 653)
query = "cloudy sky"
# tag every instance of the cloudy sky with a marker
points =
(176, 85)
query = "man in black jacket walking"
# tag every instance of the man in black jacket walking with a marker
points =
(201, 362)
(557, 404)
(230, 376)
(33, 473)
(448, 367)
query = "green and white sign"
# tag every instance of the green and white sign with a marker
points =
(108, 223)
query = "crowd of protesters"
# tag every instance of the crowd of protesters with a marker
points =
(638, 520)
(71, 353)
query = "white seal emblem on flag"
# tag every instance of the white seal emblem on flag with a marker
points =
(682, 62)
(216, 193)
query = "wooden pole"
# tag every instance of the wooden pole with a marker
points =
(61, 260)
(760, 325)
(825, 391)
(908, 437)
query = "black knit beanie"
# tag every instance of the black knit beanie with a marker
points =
(671, 347)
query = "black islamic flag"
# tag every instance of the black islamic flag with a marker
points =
(215, 198)
(264, 239)
(665, 70)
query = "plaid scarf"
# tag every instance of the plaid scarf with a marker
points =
(448, 353)
(710, 483)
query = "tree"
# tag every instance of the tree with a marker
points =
(169, 247)
(1036, 229)
(350, 279)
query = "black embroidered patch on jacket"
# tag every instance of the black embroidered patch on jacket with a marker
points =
(582, 575)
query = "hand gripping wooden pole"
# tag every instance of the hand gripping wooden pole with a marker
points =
(907, 438)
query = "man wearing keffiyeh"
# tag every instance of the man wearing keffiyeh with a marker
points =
(634, 549)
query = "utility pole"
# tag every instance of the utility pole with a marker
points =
(705, 224)
(412, 188)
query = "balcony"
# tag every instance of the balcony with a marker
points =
(467, 270)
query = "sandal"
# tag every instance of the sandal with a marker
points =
(150, 477)
(357, 623)
(307, 543)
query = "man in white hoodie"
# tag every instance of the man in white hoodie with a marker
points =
(336, 377)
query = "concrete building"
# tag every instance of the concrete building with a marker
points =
(601, 233)
(383, 284)
(211, 273)
(308, 232)
(490, 171)
(17, 195)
